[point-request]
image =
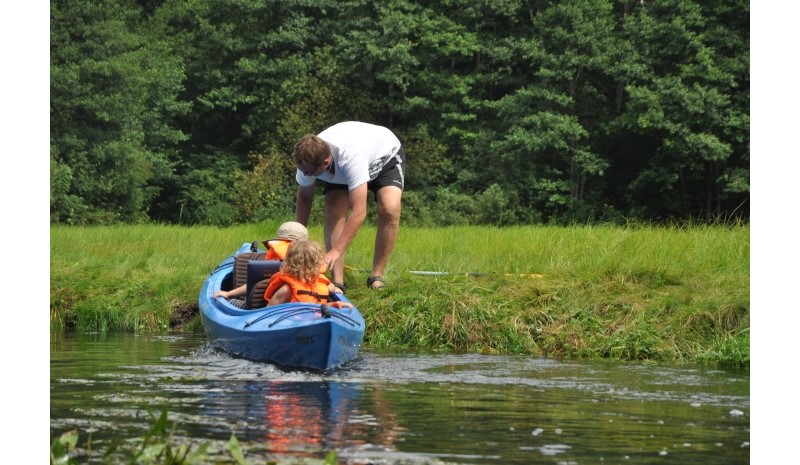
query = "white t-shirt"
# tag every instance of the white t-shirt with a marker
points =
(360, 151)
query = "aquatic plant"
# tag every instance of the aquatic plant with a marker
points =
(158, 447)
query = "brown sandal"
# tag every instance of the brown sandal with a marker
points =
(373, 280)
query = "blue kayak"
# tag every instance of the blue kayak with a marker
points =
(294, 335)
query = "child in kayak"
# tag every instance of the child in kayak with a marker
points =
(300, 280)
(276, 250)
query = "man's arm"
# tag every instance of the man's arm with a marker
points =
(303, 202)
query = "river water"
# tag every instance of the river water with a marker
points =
(400, 408)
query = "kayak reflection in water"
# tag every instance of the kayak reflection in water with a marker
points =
(303, 416)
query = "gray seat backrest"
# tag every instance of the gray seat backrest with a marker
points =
(258, 274)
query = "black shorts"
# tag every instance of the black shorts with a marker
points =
(392, 174)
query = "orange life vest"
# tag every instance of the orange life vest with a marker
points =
(276, 249)
(301, 292)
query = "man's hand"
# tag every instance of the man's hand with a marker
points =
(330, 259)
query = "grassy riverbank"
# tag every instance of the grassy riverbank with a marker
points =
(632, 293)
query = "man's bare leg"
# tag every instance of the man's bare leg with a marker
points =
(389, 206)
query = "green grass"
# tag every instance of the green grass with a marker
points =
(677, 294)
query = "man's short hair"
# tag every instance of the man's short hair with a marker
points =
(310, 150)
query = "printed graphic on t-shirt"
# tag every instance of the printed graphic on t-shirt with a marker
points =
(376, 166)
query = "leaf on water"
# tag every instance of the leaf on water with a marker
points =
(69, 439)
(59, 450)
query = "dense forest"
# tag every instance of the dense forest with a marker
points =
(510, 111)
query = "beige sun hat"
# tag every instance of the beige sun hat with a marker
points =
(291, 231)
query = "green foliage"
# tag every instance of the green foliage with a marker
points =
(113, 91)
(267, 192)
(159, 446)
(728, 350)
(206, 198)
(59, 449)
(551, 111)
(236, 451)
(494, 206)
(687, 105)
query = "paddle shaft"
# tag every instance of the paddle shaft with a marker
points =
(443, 273)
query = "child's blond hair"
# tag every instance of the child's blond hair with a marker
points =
(303, 261)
